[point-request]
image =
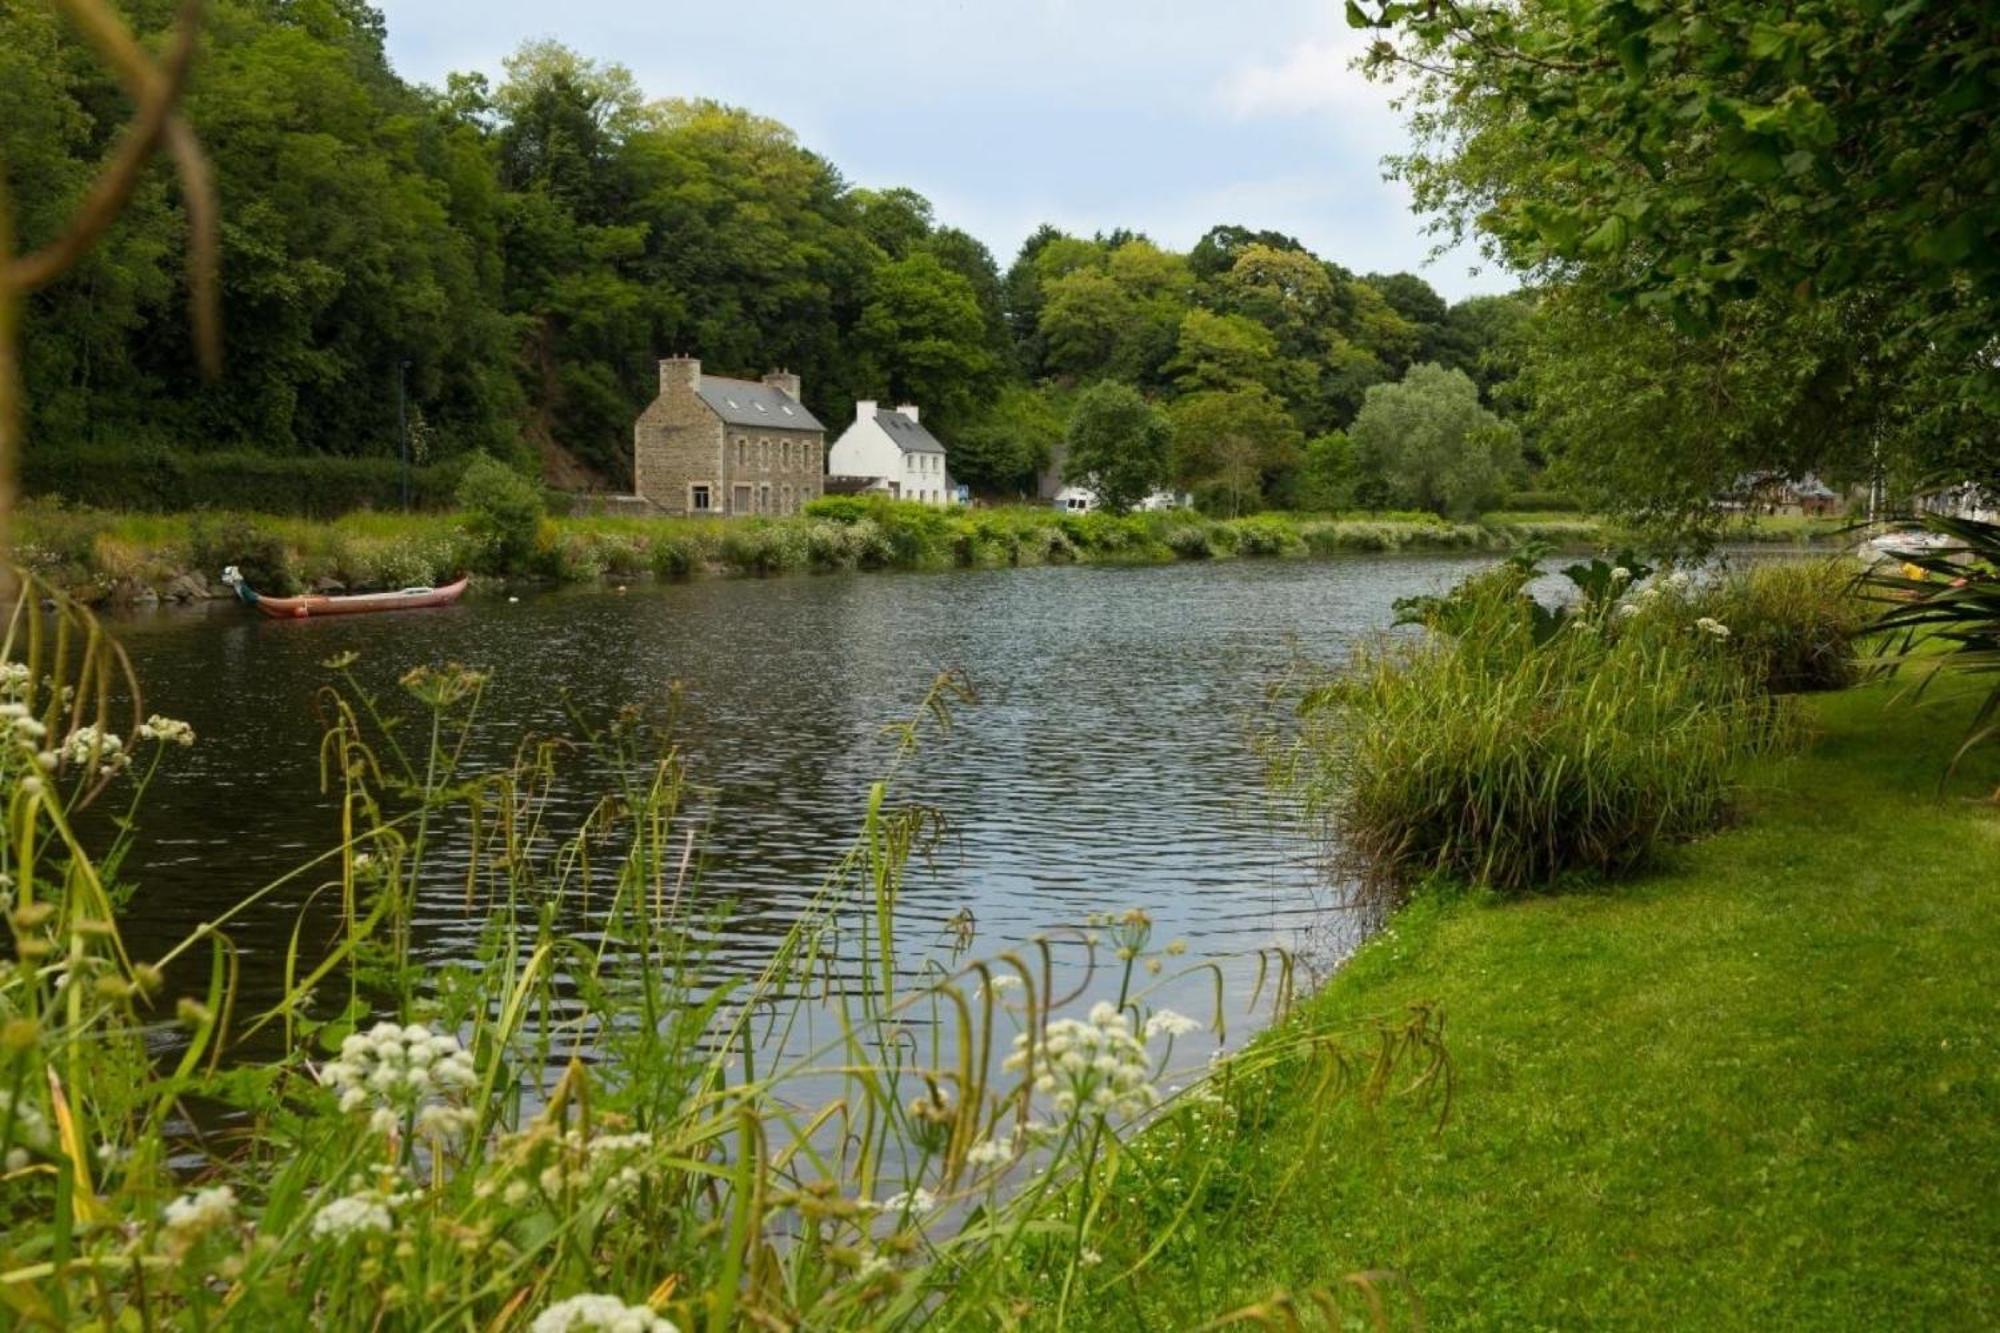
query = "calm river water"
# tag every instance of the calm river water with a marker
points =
(1109, 762)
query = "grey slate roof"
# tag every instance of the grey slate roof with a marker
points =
(910, 436)
(748, 403)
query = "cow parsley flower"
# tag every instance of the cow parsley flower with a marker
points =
(166, 730)
(599, 1314)
(917, 1201)
(989, 1152)
(1710, 625)
(192, 1216)
(1172, 1024)
(354, 1215)
(604, 1162)
(90, 743)
(1093, 1066)
(395, 1071)
(14, 678)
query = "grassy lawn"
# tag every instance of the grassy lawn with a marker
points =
(1757, 1089)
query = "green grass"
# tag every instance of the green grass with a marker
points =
(1759, 1089)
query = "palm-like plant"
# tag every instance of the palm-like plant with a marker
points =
(1946, 596)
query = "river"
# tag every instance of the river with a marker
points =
(1108, 763)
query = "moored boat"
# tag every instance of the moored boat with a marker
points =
(316, 604)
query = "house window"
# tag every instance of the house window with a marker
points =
(742, 451)
(698, 499)
(788, 455)
(764, 454)
(740, 500)
(787, 501)
(764, 498)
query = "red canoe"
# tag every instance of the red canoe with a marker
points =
(298, 608)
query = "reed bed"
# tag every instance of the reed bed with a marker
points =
(583, 1125)
(1514, 745)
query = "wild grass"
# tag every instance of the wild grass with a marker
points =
(1512, 746)
(1795, 625)
(860, 1133)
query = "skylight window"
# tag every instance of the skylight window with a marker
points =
(758, 406)
(732, 403)
(786, 410)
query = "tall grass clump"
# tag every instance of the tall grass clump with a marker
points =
(1514, 744)
(1794, 624)
(582, 1123)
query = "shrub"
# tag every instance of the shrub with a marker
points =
(160, 480)
(1793, 623)
(1541, 502)
(765, 548)
(1189, 541)
(1510, 756)
(1265, 535)
(216, 541)
(503, 511)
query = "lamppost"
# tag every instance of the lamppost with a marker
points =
(403, 428)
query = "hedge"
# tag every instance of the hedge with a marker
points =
(311, 486)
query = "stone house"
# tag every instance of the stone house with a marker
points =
(710, 445)
(891, 452)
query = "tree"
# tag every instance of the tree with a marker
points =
(1233, 448)
(1117, 445)
(1429, 440)
(1223, 352)
(923, 327)
(1010, 442)
(1734, 167)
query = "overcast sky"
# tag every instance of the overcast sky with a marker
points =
(1164, 116)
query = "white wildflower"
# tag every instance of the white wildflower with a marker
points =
(192, 1216)
(874, 1266)
(1680, 580)
(989, 1152)
(1710, 625)
(918, 1200)
(90, 743)
(30, 1128)
(14, 678)
(1088, 1257)
(1098, 1064)
(1620, 576)
(166, 730)
(354, 1215)
(1627, 610)
(1172, 1024)
(599, 1314)
(396, 1071)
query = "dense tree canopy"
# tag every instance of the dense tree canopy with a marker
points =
(1769, 234)
(511, 258)
(1432, 445)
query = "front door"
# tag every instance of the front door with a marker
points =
(739, 500)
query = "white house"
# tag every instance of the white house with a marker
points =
(891, 451)
(1072, 498)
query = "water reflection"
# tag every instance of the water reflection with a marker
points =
(1106, 764)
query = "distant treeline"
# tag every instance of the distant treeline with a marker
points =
(511, 259)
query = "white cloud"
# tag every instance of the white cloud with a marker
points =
(1316, 76)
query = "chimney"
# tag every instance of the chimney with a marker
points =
(864, 409)
(785, 382)
(680, 370)
(908, 409)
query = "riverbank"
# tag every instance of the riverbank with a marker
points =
(1755, 1090)
(121, 559)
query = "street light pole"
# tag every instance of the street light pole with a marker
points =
(403, 429)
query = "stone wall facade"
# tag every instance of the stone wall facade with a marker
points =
(686, 460)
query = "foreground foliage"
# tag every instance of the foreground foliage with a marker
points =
(582, 1124)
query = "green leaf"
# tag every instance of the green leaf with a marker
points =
(1951, 243)
(1609, 237)
(1768, 41)
(1356, 18)
(1757, 162)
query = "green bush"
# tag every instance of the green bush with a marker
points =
(759, 547)
(217, 541)
(1793, 623)
(1188, 541)
(150, 480)
(1266, 535)
(1509, 756)
(1540, 502)
(503, 511)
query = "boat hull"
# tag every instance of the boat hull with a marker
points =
(407, 599)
